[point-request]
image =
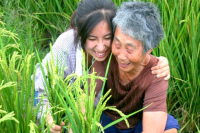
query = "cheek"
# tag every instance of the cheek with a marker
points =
(114, 50)
(89, 45)
(109, 43)
(132, 58)
(135, 57)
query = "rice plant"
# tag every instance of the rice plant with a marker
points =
(181, 20)
(73, 103)
(17, 90)
(17, 94)
(38, 23)
(7, 116)
(46, 18)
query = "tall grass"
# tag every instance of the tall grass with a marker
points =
(38, 23)
(17, 89)
(181, 22)
(74, 105)
(47, 19)
(67, 100)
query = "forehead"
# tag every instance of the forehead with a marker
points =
(101, 27)
(124, 38)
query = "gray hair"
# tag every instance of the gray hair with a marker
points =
(140, 20)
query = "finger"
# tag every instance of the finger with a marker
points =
(70, 130)
(49, 120)
(163, 75)
(167, 78)
(155, 68)
(160, 66)
(160, 71)
(54, 131)
(163, 62)
(162, 59)
(62, 123)
(56, 128)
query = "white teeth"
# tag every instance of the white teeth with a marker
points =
(100, 54)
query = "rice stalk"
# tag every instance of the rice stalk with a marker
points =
(181, 46)
(7, 116)
(16, 95)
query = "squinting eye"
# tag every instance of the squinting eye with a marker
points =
(130, 50)
(91, 39)
(117, 45)
(109, 38)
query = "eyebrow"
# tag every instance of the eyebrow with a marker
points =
(109, 34)
(128, 44)
(117, 39)
(131, 44)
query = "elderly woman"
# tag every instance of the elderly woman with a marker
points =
(137, 32)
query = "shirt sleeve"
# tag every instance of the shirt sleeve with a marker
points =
(156, 95)
(64, 56)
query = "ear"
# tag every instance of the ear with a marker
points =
(149, 51)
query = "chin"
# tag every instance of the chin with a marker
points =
(124, 69)
(100, 59)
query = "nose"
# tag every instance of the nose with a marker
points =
(100, 45)
(122, 55)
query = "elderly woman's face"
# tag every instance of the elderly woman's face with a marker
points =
(128, 52)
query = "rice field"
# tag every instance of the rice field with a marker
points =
(27, 30)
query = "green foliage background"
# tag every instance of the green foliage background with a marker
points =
(27, 26)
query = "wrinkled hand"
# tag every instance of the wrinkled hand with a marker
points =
(54, 128)
(162, 69)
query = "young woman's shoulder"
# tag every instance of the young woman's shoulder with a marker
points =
(67, 34)
(66, 40)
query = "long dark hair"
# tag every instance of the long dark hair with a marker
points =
(88, 14)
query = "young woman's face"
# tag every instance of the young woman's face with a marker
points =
(98, 43)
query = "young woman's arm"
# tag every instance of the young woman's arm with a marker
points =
(162, 69)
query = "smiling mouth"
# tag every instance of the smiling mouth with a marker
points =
(100, 54)
(124, 64)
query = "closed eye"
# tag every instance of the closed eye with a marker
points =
(117, 45)
(92, 39)
(108, 38)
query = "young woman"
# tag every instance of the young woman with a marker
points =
(91, 30)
